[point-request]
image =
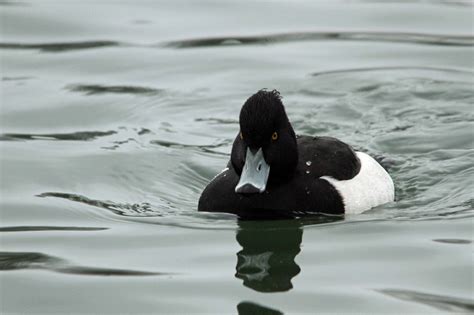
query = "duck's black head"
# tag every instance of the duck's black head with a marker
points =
(265, 149)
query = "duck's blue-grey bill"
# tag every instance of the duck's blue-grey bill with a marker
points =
(254, 175)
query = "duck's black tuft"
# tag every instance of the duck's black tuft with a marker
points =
(275, 94)
(262, 114)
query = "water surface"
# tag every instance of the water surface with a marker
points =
(115, 115)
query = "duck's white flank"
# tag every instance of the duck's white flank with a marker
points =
(370, 188)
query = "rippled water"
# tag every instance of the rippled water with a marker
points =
(115, 115)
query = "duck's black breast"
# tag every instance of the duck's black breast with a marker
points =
(304, 192)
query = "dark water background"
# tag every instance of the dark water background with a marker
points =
(115, 114)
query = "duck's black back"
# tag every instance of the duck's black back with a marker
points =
(302, 193)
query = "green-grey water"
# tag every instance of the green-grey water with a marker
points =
(116, 114)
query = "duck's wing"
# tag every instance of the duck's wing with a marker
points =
(326, 156)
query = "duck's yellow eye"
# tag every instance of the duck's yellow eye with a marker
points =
(275, 136)
(241, 137)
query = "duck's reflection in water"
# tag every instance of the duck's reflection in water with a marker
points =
(266, 262)
(249, 308)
